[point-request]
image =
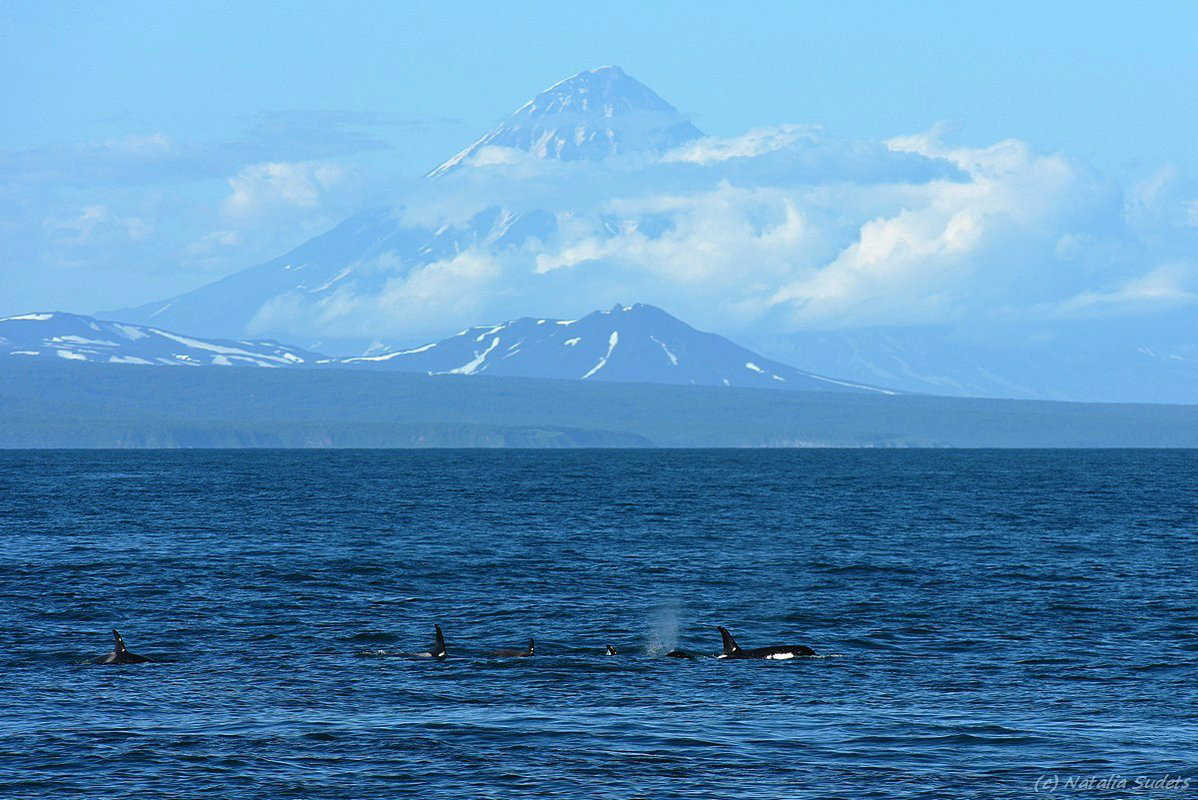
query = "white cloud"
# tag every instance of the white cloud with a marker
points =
(98, 220)
(450, 292)
(712, 237)
(783, 229)
(269, 186)
(493, 155)
(147, 147)
(114, 222)
(955, 247)
(757, 142)
(1168, 286)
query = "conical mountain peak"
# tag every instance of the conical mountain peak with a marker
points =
(593, 115)
(606, 91)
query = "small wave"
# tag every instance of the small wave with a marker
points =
(1007, 737)
(1074, 607)
(872, 644)
(1162, 666)
(864, 569)
(380, 637)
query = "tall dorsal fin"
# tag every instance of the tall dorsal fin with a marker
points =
(730, 645)
(439, 643)
(531, 646)
(118, 645)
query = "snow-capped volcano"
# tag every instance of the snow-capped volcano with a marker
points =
(58, 335)
(357, 257)
(637, 343)
(503, 234)
(590, 116)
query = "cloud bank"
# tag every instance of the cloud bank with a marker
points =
(781, 229)
(145, 214)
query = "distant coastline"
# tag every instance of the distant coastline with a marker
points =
(75, 405)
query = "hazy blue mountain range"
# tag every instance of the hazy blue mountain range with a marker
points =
(59, 336)
(637, 343)
(337, 293)
(631, 376)
(1144, 360)
(630, 344)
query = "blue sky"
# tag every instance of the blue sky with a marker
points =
(127, 126)
(1107, 81)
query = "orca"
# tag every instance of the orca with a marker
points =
(511, 653)
(678, 654)
(438, 650)
(776, 653)
(611, 651)
(120, 654)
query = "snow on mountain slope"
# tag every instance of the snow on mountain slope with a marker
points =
(591, 116)
(337, 292)
(638, 343)
(359, 255)
(60, 336)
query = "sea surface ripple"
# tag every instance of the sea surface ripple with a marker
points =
(989, 622)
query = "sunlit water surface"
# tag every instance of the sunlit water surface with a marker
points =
(985, 620)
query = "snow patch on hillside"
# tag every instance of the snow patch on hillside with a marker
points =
(612, 341)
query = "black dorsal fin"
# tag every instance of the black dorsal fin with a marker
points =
(439, 643)
(118, 645)
(611, 651)
(531, 646)
(730, 645)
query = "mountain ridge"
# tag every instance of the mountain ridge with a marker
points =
(637, 343)
(330, 293)
(60, 335)
(629, 344)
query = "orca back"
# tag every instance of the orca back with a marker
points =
(120, 654)
(511, 653)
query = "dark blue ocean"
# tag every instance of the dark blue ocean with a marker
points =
(988, 624)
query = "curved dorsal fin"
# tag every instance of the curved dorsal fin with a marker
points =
(611, 651)
(531, 646)
(439, 643)
(118, 645)
(730, 645)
